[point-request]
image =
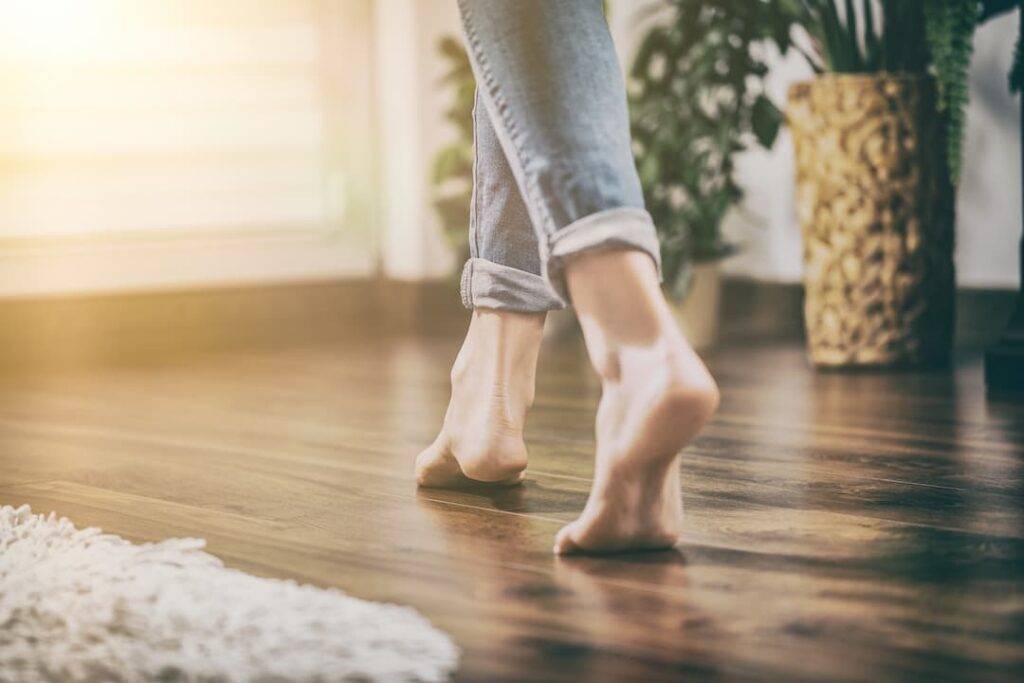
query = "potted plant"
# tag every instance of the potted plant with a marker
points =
(877, 135)
(697, 99)
(452, 173)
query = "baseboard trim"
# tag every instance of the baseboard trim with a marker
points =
(754, 310)
(102, 329)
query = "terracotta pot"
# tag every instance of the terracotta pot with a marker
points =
(876, 208)
(560, 324)
(697, 312)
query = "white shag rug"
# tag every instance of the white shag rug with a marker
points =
(81, 605)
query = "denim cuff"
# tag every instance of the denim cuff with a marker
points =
(627, 228)
(486, 284)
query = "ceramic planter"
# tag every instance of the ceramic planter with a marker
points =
(697, 312)
(876, 209)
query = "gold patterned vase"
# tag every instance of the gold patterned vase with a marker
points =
(876, 208)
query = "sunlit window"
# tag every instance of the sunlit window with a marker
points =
(124, 117)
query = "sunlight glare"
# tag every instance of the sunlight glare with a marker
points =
(49, 30)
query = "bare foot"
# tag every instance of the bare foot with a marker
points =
(481, 440)
(656, 396)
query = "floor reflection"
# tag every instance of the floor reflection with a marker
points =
(629, 600)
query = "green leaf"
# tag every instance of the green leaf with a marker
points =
(949, 28)
(872, 50)
(766, 120)
(1017, 72)
(691, 118)
(851, 37)
(993, 8)
(453, 161)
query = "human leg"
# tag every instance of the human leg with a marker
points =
(550, 80)
(481, 438)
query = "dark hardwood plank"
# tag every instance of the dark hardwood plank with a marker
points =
(846, 527)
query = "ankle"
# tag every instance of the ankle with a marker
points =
(669, 369)
(617, 297)
(492, 321)
(499, 358)
(632, 337)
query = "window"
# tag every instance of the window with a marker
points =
(155, 144)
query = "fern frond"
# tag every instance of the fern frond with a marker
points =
(949, 28)
(1017, 72)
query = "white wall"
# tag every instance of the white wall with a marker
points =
(989, 224)
(410, 131)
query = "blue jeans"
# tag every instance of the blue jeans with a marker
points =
(553, 174)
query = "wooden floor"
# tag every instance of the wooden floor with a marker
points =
(841, 527)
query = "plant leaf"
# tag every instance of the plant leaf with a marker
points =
(766, 120)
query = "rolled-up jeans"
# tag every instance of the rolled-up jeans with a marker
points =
(553, 174)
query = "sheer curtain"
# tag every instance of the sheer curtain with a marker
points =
(160, 144)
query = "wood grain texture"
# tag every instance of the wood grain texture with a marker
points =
(839, 526)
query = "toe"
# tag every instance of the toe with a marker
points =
(565, 543)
